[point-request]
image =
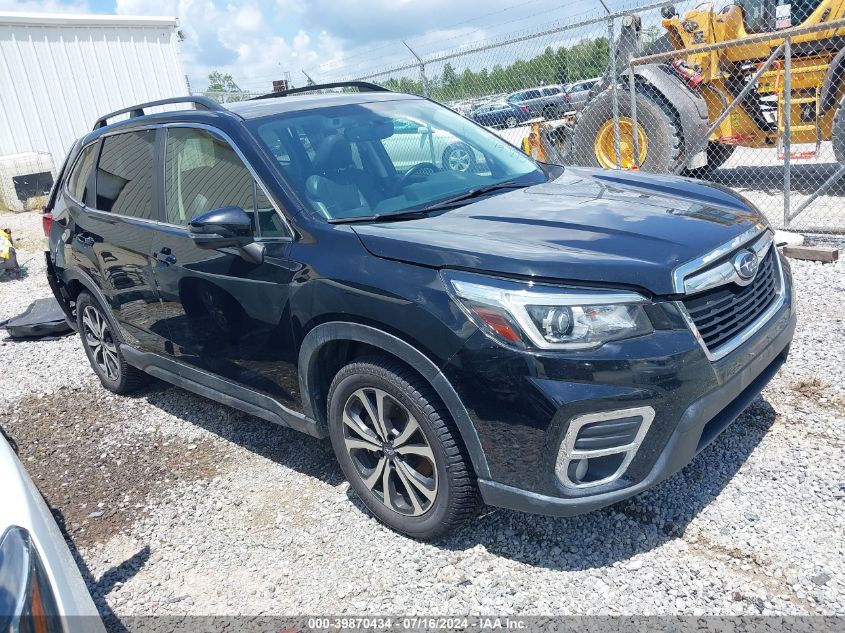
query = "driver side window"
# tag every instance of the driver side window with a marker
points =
(202, 172)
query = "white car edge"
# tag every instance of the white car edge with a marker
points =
(26, 524)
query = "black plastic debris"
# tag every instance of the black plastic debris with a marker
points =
(43, 317)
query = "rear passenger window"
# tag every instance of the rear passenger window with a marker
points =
(125, 174)
(202, 172)
(79, 181)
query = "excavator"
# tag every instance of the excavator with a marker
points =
(680, 97)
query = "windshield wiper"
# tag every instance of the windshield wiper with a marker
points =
(474, 193)
(382, 217)
(437, 206)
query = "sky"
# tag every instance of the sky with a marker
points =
(257, 41)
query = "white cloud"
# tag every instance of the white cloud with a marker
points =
(44, 6)
(248, 41)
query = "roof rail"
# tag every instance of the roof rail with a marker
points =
(363, 86)
(138, 110)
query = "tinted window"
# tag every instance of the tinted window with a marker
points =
(532, 94)
(79, 181)
(125, 174)
(203, 172)
(363, 167)
(550, 91)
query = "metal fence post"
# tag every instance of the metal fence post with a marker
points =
(787, 124)
(614, 78)
(423, 78)
(632, 83)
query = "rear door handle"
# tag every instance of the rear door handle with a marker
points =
(165, 256)
(85, 239)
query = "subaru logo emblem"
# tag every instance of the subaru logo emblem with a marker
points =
(745, 264)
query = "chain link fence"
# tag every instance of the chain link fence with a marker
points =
(747, 96)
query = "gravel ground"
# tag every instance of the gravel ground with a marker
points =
(177, 505)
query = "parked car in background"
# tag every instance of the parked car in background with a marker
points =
(548, 102)
(501, 114)
(443, 150)
(41, 588)
(541, 338)
(578, 92)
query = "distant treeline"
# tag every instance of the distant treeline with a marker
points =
(584, 60)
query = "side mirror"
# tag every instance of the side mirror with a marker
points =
(221, 228)
(227, 227)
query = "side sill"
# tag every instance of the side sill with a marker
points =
(221, 390)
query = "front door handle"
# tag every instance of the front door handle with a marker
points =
(85, 239)
(165, 256)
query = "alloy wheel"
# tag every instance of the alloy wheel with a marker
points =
(99, 339)
(389, 451)
(511, 121)
(459, 160)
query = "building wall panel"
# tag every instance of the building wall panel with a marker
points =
(58, 74)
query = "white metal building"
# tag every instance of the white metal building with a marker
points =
(59, 73)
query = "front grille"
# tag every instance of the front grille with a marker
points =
(724, 312)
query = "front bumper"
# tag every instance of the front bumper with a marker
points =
(524, 404)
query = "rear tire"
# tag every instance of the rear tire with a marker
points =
(551, 113)
(387, 425)
(655, 119)
(101, 342)
(511, 122)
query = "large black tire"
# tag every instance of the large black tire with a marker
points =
(717, 154)
(449, 475)
(838, 132)
(654, 116)
(101, 342)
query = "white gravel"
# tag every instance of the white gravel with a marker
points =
(754, 525)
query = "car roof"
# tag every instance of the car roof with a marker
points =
(257, 108)
(250, 109)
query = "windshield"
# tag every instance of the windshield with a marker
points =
(378, 159)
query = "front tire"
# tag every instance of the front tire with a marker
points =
(659, 133)
(399, 450)
(101, 343)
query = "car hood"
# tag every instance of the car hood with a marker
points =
(607, 227)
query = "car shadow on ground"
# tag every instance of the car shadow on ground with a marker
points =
(282, 445)
(594, 540)
(100, 587)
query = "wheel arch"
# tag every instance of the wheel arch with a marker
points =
(77, 280)
(326, 343)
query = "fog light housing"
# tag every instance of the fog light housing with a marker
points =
(598, 447)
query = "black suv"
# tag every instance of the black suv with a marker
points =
(541, 338)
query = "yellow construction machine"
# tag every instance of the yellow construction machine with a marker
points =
(721, 65)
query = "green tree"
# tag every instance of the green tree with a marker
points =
(223, 88)
(449, 75)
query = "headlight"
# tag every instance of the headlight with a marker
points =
(27, 602)
(548, 317)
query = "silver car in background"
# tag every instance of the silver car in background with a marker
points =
(549, 102)
(578, 92)
(41, 588)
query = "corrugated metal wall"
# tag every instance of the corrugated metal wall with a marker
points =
(58, 75)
